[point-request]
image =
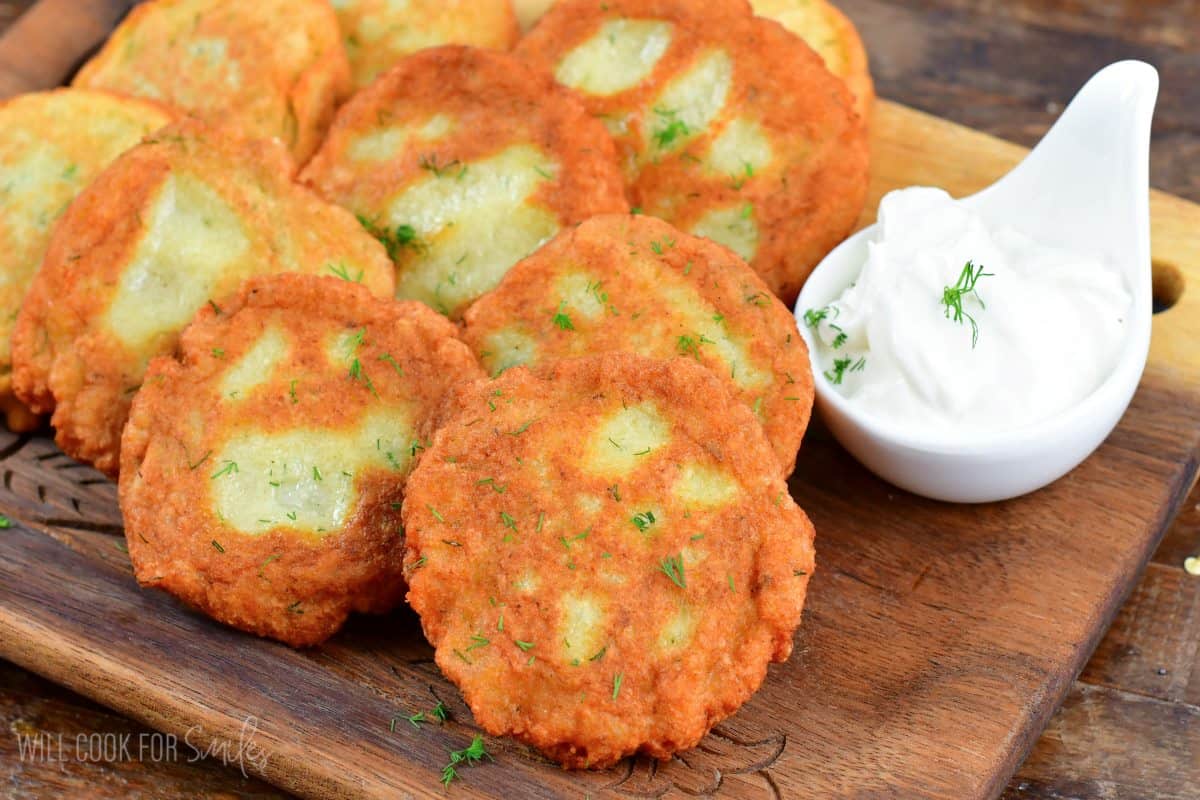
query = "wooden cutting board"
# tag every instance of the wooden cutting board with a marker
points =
(937, 641)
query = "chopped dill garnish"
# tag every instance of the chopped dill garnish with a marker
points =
(267, 560)
(657, 246)
(394, 241)
(416, 719)
(508, 521)
(388, 358)
(477, 642)
(815, 316)
(203, 458)
(643, 520)
(343, 272)
(561, 320)
(686, 345)
(672, 567)
(439, 712)
(953, 296)
(672, 127)
(217, 546)
(230, 468)
(436, 514)
(525, 646)
(617, 680)
(843, 365)
(469, 756)
(521, 429)
(759, 299)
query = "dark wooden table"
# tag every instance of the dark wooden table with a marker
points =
(1130, 727)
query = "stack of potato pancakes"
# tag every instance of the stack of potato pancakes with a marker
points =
(363, 306)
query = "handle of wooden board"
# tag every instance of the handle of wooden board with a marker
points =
(1175, 240)
(47, 42)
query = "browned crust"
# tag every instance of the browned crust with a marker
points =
(639, 318)
(19, 417)
(463, 557)
(304, 95)
(64, 359)
(498, 102)
(284, 584)
(479, 23)
(858, 71)
(807, 201)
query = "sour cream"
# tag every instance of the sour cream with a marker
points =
(1040, 327)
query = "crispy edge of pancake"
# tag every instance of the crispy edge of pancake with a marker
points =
(288, 584)
(453, 530)
(601, 246)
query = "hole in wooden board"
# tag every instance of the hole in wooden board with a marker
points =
(1167, 285)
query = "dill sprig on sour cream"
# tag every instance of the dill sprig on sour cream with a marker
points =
(953, 296)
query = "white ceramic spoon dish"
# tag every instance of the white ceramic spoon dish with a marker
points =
(1084, 187)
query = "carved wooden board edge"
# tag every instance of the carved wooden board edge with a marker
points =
(115, 664)
(1060, 684)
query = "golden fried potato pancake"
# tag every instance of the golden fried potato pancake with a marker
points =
(462, 162)
(172, 225)
(604, 555)
(263, 468)
(821, 25)
(270, 67)
(51, 145)
(379, 32)
(635, 284)
(729, 126)
(830, 32)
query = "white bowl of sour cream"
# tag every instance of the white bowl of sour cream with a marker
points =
(979, 349)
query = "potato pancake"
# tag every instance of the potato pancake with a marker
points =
(604, 555)
(827, 30)
(273, 68)
(378, 33)
(635, 284)
(51, 146)
(821, 25)
(729, 126)
(462, 162)
(263, 468)
(173, 224)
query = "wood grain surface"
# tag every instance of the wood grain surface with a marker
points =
(1128, 727)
